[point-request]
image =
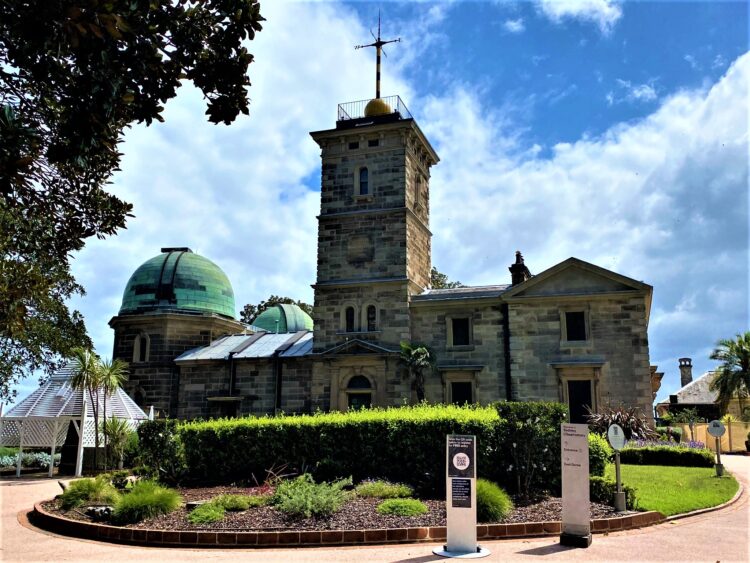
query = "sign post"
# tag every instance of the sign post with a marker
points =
(576, 509)
(717, 429)
(616, 438)
(461, 499)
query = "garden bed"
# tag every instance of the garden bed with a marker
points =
(356, 514)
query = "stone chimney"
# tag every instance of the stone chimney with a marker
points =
(686, 371)
(519, 273)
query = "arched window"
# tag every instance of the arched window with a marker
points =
(349, 326)
(359, 392)
(364, 181)
(141, 348)
(372, 318)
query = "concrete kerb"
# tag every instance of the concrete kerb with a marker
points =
(45, 520)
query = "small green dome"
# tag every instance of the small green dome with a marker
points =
(283, 318)
(178, 280)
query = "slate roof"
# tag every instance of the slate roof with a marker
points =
(697, 392)
(476, 292)
(258, 345)
(57, 398)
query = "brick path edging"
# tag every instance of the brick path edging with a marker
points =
(168, 538)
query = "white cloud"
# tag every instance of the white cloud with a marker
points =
(663, 200)
(603, 13)
(638, 92)
(719, 61)
(691, 60)
(514, 26)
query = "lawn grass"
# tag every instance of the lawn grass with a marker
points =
(674, 490)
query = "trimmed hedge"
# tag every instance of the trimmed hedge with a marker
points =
(401, 445)
(667, 455)
(602, 490)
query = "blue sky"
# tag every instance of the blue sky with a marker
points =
(613, 132)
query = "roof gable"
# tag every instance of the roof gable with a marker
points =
(576, 277)
(358, 347)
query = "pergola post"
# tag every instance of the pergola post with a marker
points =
(20, 449)
(53, 443)
(79, 455)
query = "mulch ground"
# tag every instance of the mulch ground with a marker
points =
(357, 514)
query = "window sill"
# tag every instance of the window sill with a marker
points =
(461, 348)
(357, 332)
(366, 198)
(576, 343)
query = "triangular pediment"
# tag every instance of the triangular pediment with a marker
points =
(357, 347)
(575, 277)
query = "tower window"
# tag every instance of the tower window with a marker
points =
(354, 145)
(372, 318)
(364, 183)
(349, 319)
(373, 142)
(141, 348)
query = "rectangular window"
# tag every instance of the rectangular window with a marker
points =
(373, 142)
(575, 326)
(461, 392)
(461, 332)
(354, 145)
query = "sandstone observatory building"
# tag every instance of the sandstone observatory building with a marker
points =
(575, 333)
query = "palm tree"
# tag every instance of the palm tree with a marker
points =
(112, 374)
(86, 377)
(732, 377)
(416, 360)
(116, 432)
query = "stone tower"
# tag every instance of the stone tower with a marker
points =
(373, 227)
(172, 303)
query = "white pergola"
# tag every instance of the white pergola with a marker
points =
(41, 420)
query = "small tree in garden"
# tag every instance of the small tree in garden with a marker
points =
(161, 450)
(689, 417)
(633, 422)
(116, 434)
(86, 377)
(112, 374)
(416, 360)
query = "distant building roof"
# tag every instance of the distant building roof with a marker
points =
(697, 392)
(283, 317)
(457, 293)
(258, 345)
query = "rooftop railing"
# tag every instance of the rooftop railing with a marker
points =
(356, 110)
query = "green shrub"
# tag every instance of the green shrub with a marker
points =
(527, 458)
(207, 513)
(89, 491)
(8, 452)
(145, 500)
(402, 507)
(161, 450)
(667, 455)
(669, 433)
(302, 497)
(119, 478)
(493, 503)
(383, 489)
(602, 490)
(600, 454)
(132, 450)
(236, 503)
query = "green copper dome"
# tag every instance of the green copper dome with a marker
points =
(283, 318)
(178, 280)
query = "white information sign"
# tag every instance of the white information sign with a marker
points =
(461, 499)
(716, 428)
(616, 437)
(576, 515)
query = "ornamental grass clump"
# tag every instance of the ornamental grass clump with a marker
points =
(402, 507)
(600, 454)
(383, 489)
(207, 513)
(89, 491)
(238, 503)
(493, 503)
(304, 498)
(145, 500)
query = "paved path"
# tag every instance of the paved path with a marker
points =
(716, 536)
